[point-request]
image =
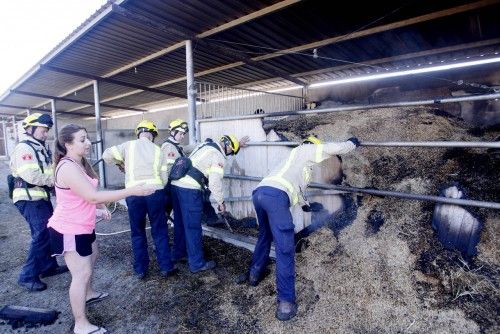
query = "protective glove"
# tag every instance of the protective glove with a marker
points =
(222, 207)
(315, 206)
(121, 167)
(312, 207)
(355, 141)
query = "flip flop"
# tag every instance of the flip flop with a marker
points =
(98, 330)
(100, 297)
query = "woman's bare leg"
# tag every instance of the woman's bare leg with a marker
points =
(81, 271)
(93, 258)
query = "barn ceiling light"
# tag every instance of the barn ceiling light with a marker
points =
(407, 72)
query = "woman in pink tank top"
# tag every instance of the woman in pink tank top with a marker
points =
(72, 225)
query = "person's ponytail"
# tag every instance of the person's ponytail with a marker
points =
(59, 152)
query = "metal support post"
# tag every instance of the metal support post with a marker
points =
(191, 92)
(54, 117)
(14, 128)
(102, 177)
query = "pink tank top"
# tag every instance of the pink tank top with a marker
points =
(73, 214)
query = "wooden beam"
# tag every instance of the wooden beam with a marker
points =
(382, 28)
(239, 240)
(249, 17)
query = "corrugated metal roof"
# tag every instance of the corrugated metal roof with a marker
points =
(140, 42)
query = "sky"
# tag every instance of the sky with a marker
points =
(29, 29)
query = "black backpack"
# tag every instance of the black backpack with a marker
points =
(180, 168)
(183, 166)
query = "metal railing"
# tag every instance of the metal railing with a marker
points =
(376, 192)
(216, 100)
(436, 144)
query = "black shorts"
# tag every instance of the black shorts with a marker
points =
(81, 243)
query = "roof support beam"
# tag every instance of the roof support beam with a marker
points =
(20, 92)
(43, 110)
(111, 81)
(168, 29)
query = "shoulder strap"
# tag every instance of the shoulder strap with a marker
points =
(211, 144)
(30, 144)
(217, 147)
(59, 165)
(177, 146)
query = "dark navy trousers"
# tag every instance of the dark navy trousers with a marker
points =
(188, 240)
(37, 214)
(275, 223)
(153, 206)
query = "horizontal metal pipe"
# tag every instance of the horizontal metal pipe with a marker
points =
(358, 107)
(464, 144)
(437, 199)
(308, 194)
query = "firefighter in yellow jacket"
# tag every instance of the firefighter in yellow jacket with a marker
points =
(143, 162)
(207, 171)
(172, 150)
(273, 197)
(32, 180)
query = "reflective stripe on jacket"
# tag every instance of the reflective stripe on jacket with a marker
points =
(293, 174)
(24, 164)
(171, 153)
(210, 161)
(143, 162)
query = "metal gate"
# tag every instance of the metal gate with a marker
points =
(216, 100)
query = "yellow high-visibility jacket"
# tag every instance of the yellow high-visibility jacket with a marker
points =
(210, 161)
(24, 164)
(293, 174)
(143, 162)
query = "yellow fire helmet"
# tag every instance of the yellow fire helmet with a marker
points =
(312, 140)
(146, 126)
(37, 119)
(232, 141)
(179, 125)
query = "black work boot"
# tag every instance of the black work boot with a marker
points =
(169, 273)
(286, 311)
(34, 285)
(208, 265)
(252, 279)
(55, 271)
